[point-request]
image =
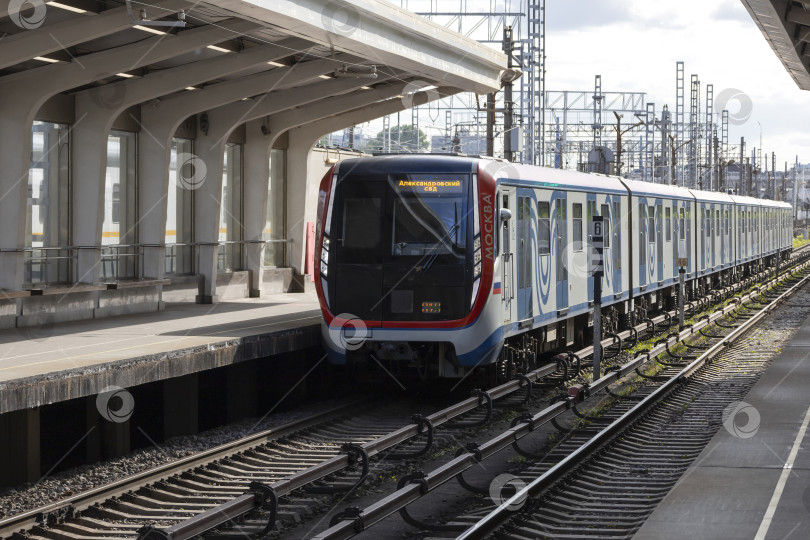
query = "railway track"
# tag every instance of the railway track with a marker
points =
(581, 443)
(249, 477)
(638, 450)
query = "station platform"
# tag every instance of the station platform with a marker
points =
(751, 487)
(53, 363)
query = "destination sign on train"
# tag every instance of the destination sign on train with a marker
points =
(431, 186)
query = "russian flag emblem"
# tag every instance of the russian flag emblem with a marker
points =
(496, 288)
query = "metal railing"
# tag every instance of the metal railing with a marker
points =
(125, 261)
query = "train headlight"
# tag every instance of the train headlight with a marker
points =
(323, 269)
(477, 270)
(325, 243)
(324, 256)
(477, 257)
(477, 243)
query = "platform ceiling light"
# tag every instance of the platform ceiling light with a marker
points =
(150, 30)
(324, 76)
(66, 7)
(191, 88)
(218, 49)
(46, 59)
(365, 88)
(125, 75)
(277, 64)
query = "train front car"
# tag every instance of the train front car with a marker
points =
(400, 260)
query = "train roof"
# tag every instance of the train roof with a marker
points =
(637, 187)
(711, 196)
(533, 176)
(743, 199)
(409, 163)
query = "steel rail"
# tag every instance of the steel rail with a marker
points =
(119, 487)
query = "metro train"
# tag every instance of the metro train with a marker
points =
(436, 261)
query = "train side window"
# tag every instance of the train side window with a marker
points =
(651, 225)
(543, 228)
(606, 224)
(726, 222)
(682, 225)
(577, 218)
(668, 212)
(717, 222)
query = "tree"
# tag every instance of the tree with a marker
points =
(402, 139)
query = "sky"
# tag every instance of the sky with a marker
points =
(635, 44)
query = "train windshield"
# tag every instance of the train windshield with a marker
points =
(402, 248)
(430, 216)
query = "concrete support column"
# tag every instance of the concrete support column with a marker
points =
(241, 391)
(114, 438)
(19, 447)
(89, 161)
(15, 156)
(210, 149)
(181, 405)
(301, 201)
(92, 442)
(256, 177)
(154, 157)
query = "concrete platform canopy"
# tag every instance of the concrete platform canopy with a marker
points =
(786, 26)
(97, 94)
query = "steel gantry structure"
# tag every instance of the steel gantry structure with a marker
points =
(486, 21)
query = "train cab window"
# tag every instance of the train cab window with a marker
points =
(682, 225)
(651, 225)
(356, 234)
(577, 218)
(543, 228)
(668, 212)
(606, 224)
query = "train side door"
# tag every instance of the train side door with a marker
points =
(508, 241)
(641, 223)
(561, 250)
(591, 211)
(659, 233)
(524, 251)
